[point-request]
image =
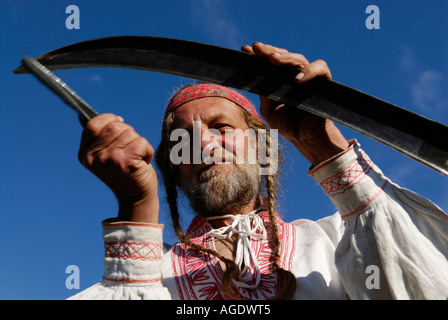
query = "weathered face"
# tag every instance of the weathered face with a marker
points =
(214, 179)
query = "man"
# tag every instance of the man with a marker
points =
(237, 247)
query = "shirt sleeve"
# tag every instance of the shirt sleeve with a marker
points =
(133, 261)
(393, 242)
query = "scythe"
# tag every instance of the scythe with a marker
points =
(419, 138)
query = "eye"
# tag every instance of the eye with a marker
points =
(222, 127)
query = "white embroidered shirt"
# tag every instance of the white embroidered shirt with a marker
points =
(379, 225)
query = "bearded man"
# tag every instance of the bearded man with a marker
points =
(237, 247)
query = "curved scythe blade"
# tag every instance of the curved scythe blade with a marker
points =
(417, 137)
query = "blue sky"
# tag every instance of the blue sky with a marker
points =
(51, 208)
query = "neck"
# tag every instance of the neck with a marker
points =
(251, 206)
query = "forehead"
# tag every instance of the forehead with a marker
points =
(207, 110)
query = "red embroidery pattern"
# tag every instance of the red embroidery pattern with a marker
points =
(198, 276)
(133, 250)
(351, 175)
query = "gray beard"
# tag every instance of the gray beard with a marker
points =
(219, 191)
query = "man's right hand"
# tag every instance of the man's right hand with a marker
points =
(120, 157)
(318, 139)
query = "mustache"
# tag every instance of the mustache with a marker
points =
(216, 156)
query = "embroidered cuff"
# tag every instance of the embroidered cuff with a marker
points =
(351, 180)
(133, 252)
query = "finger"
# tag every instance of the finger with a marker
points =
(93, 129)
(113, 135)
(289, 59)
(318, 68)
(248, 49)
(135, 155)
(141, 149)
(96, 125)
(265, 50)
(133, 146)
(127, 159)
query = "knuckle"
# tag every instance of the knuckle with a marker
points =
(321, 63)
(92, 126)
(101, 157)
(95, 125)
(98, 158)
(281, 51)
(299, 56)
(143, 144)
(107, 160)
(88, 160)
(113, 128)
(130, 133)
(141, 141)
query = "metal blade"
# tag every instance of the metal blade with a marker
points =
(417, 137)
(60, 88)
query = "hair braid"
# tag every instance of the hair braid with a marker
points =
(287, 280)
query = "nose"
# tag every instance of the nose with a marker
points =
(210, 139)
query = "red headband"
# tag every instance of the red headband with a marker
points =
(204, 90)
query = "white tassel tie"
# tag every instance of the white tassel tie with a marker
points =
(245, 226)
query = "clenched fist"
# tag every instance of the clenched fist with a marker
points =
(120, 157)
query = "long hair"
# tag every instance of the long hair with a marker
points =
(287, 281)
